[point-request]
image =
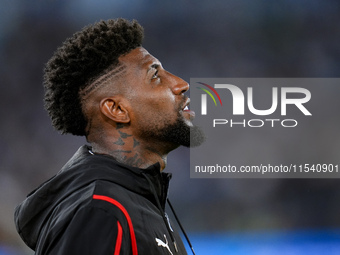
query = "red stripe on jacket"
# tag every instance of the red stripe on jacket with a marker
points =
(128, 218)
(119, 239)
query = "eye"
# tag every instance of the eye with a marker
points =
(155, 75)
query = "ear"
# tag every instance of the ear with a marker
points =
(114, 109)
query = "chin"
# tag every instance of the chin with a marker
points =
(189, 123)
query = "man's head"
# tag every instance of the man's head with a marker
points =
(153, 101)
(120, 85)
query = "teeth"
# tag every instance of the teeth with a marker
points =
(186, 108)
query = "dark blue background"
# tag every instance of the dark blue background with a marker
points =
(233, 38)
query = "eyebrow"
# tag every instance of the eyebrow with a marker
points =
(154, 66)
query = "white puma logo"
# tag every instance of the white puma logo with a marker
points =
(165, 245)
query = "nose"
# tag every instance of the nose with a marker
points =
(180, 86)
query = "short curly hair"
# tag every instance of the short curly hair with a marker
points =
(81, 59)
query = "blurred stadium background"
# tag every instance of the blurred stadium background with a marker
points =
(215, 38)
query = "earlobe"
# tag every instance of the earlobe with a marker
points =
(115, 110)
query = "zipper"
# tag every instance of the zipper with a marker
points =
(165, 219)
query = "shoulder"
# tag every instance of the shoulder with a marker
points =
(95, 201)
(114, 198)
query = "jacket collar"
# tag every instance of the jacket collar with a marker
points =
(90, 167)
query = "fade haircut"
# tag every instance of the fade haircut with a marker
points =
(79, 63)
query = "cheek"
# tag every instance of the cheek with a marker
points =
(155, 115)
(162, 102)
(154, 106)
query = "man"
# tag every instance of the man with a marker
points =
(110, 196)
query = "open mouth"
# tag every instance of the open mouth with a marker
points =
(186, 111)
(186, 105)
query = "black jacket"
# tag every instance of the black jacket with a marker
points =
(96, 205)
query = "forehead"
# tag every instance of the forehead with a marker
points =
(139, 57)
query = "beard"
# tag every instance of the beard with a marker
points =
(178, 133)
(182, 134)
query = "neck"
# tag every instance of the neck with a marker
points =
(125, 148)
